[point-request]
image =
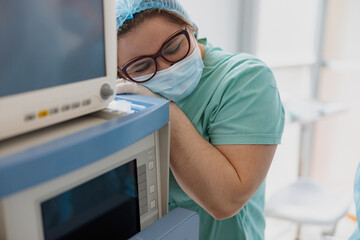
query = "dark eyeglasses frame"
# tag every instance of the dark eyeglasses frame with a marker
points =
(158, 54)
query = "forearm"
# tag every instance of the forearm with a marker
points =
(203, 171)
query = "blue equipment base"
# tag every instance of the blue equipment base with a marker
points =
(179, 224)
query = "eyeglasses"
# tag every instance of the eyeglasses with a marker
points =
(173, 50)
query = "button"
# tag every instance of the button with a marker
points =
(65, 108)
(152, 204)
(143, 210)
(152, 188)
(86, 102)
(143, 202)
(142, 186)
(142, 194)
(106, 91)
(54, 111)
(151, 165)
(30, 117)
(141, 169)
(43, 113)
(142, 178)
(75, 105)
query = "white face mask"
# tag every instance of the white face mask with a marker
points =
(178, 81)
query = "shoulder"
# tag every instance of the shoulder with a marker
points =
(248, 105)
(216, 56)
(242, 72)
(239, 66)
(249, 71)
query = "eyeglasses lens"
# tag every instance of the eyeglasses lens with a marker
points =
(142, 67)
(176, 49)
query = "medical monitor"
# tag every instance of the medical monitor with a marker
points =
(57, 61)
(101, 176)
(105, 207)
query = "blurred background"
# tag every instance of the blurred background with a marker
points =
(312, 47)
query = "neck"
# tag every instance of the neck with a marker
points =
(202, 50)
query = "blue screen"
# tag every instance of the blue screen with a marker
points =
(106, 207)
(46, 43)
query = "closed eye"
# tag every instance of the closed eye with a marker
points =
(174, 45)
(141, 67)
(173, 50)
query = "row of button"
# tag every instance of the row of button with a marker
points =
(152, 187)
(55, 110)
(142, 188)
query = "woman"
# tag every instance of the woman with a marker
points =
(225, 113)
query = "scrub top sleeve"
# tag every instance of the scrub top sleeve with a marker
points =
(250, 110)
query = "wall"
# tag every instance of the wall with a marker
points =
(217, 20)
(337, 146)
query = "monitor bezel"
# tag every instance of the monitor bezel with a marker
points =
(14, 108)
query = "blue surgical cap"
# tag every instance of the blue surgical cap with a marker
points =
(125, 9)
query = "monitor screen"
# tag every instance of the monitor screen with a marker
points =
(47, 43)
(106, 207)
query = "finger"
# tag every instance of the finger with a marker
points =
(142, 90)
(122, 80)
(125, 88)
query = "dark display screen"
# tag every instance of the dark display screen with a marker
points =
(47, 43)
(105, 207)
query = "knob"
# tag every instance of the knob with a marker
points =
(106, 91)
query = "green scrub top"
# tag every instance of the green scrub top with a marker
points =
(235, 102)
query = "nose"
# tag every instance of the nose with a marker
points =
(162, 64)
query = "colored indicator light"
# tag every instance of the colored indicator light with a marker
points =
(43, 113)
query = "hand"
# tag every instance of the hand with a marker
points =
(124, 86)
